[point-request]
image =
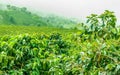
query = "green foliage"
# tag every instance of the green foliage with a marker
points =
(103, 25)
(54, 51)
(108, 18)
(59, 54)
(105, 20)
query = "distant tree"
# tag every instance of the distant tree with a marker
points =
(8, 6)
(11, 19)
(24, 9)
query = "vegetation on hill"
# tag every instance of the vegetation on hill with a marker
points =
(19, 16)
(61, 22)
(12, 15)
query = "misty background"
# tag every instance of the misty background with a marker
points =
(69, 8)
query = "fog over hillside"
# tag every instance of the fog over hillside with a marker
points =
(70, 8)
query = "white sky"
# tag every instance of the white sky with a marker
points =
(71, 8)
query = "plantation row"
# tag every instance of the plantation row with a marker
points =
(55, 54)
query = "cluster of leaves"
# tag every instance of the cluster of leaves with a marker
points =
(103, 25)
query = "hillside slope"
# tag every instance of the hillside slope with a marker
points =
(13, 15)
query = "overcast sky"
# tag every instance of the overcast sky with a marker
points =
(71, 8)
